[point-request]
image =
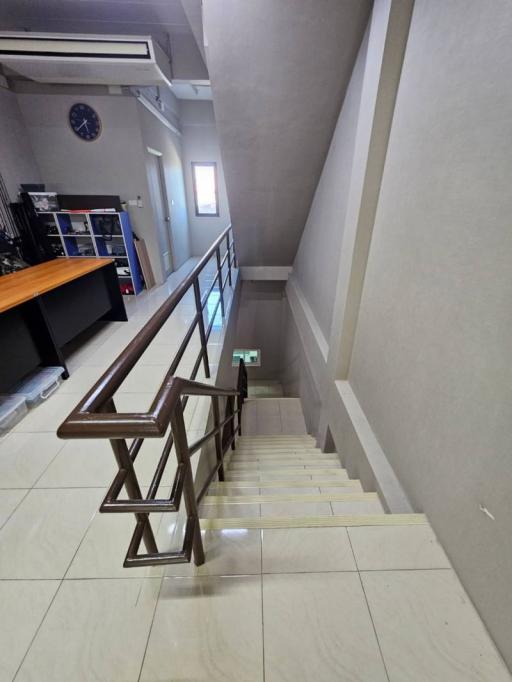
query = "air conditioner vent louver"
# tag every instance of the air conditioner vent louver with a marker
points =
(85, 59)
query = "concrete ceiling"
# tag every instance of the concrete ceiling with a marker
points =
(279, 72)
(164, 20)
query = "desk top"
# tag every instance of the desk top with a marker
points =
(21, 286)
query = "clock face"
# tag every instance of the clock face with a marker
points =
(84, 122)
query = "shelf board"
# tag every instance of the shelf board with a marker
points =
(87, 235)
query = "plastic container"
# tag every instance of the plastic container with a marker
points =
(12, 409)
(39, 385)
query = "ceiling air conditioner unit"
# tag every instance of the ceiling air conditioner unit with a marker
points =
(85, 59)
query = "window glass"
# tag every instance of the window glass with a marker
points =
(205, 188)
(251, 356)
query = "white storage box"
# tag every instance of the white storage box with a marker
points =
(39, 385)
(12, 409)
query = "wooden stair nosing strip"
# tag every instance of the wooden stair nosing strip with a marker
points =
(296, 497)
(333, 483)
(259, 522)
(284, 455)
(235, 468)
(270, 466)
(286, 472)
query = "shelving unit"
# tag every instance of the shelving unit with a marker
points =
(96, 235)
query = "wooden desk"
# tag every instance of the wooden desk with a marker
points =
(43, 307)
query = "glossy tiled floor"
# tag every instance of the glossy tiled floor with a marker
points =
(358, 604)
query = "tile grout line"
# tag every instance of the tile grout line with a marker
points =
(262, 605)
(368, 608)
(37, 630)
(9, 516)
(151, 625)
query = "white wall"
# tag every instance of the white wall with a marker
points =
(160, 138)
(260, 324)
(200, 143)
(279, 71)
(112, 164)
(17, 161)
(431, 364)
(316, 264)
(415, 378)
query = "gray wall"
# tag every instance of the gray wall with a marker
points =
(279, 71)
(431, 362)
(295, 376)
(260, 325)
(317, 261)
(113, 164)
(160, 138)
(17, 161)
(414, 377)
(201, 143)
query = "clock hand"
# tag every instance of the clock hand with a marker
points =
(84, 123)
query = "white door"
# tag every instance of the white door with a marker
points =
(161, 208)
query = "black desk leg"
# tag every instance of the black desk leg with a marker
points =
(41, 331)
(117, 311)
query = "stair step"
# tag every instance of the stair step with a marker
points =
(279, 464)
(275, 449)
(272, 499)
(270, 457)
(285, 483)
(246, 475)
(290, 436)
(345, 520)
(278, 444)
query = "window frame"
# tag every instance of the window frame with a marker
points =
(213, 164)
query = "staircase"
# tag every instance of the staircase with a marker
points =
(285, 481)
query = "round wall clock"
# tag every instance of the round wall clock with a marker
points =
(84, 122)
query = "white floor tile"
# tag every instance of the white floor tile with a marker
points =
(23, 604)
(81, 464)
(103, 549)
(428, 630)
(24, 458)
(94, 630)
(394, 547)
(207, 629)
(317, 627)
(296, 509)
(228, 552)
(42, 535)
(9, 500)
(361, 507)
(306, 550)
(48, 416)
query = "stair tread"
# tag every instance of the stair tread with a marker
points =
(314, 521)
(298, 497)
(288, 471)
(250, 456)
(284, 483)
(264, 466)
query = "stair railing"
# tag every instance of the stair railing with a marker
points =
(96, 416)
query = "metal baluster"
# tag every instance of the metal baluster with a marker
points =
(219, 275)
(182, 455)
(228, 245)
(218, 439)
(202, 333)
(235, 261)
(131, 483)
